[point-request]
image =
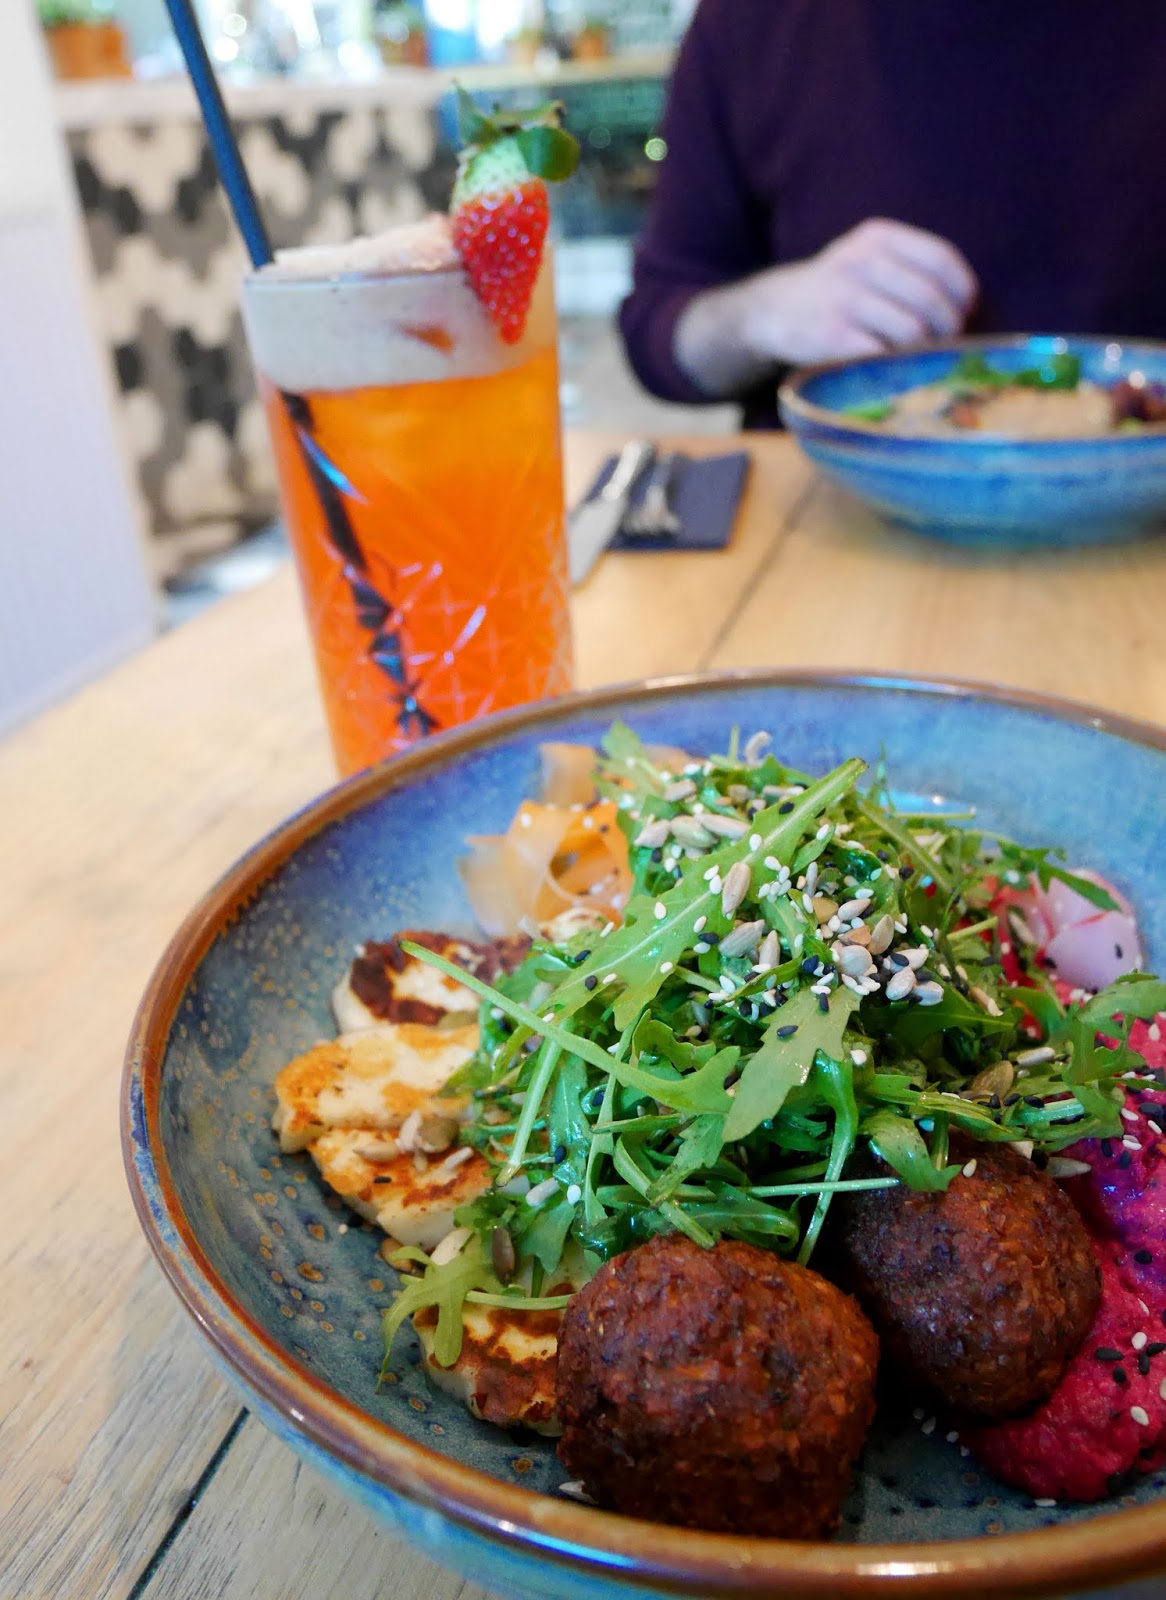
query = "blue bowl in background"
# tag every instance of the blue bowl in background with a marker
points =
(286, 1288)
(980, 488)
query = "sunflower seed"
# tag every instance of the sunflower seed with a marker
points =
(929, 994)
(435, 1134)
(735, 887)
(997, 1079)
(852, 908)
(881, 935)
(770, 953)
(653, 834)
(743, 938)
(901, 985)
(684, 789)
(691, 833)
(1066, 1167)
(852, 959)
(451, 1246)
(726, 827)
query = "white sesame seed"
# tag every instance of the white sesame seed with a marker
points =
(1036, 1058)
(613, 1049)
(710, 873)
(808, 904)
(964, 1450)
(1131, 1143)
(876, 874)
(855, 984)
(1140, 1415)
(952, 1437)
(612, 977)
(574, 1194)
(701, 948)
(1154, 1032)
(1145, 1308)
(773, 863)
(1162, 1390)
(665, 966)
(1152, 1125)
(823, 832)
(1138, 1341)
(858, 1057)
(542, 1191)
(606, 929)
(1130, 1116)
(928, 1426)
(699, 924)
(661, 910)
(755, 841)
(715, 884)
(918, 1413)
(343, 1228)
(728, 983)
(969, 1168)
(1044, 1502)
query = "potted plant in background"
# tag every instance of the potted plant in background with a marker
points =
(84, 39)
(593, 40)
(402, 35)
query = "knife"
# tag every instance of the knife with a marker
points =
(594, 524)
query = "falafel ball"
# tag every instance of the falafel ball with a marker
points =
(722, 1389)
(980, 1294)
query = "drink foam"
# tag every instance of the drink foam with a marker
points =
(390, 309)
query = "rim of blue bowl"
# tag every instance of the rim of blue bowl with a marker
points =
(1111, 1546)
(794, 404)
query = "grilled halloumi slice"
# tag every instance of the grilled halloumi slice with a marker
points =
(412, 1206)
(372, 1080)
(385, 984)
(506, 1371)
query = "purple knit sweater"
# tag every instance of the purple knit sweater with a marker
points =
(1031, 133)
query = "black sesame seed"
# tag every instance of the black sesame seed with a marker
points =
(1143, 1257)
(1033, 1100)
(810, 966)
(1143, 1364)
(1123, 1160)
(710, 938)
(785, 808)
(382, 1180)
(581, 957)
(883, 855)
(559, 1153)
(1149, 1108)
(994, 1102)
(906, 870)
(1120, 1375)
(1118, 951)
(1107, 1353)
(897, 960)
(1106, 1148)
(657, 854)
(1011, 1099)
(1155, 1347)
(1040, 1160)
(590, 981)
(823, 1003)
(788, 1031)
(925, 975)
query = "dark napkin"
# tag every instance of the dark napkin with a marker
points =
(704, 494)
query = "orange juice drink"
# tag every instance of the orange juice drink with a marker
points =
(420, 472)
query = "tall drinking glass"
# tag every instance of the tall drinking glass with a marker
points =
(420, 472)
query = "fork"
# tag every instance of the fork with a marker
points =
(654, 518)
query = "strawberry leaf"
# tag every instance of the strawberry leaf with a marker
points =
(550, 152)
(474, 127)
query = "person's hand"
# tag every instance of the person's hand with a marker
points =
(882, 285)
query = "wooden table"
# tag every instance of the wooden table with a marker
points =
(128, 1468)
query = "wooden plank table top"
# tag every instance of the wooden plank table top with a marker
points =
(129, 1470)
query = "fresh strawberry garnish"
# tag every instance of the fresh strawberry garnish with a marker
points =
(500, 212)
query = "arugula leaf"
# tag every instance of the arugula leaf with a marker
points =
(901, 1146)
(782, 1063)
(446, 1288)
(836, 1082)
(636, 951)
(700, 1147)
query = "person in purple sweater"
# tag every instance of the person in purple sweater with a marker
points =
(849, 176)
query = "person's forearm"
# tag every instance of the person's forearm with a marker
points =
(711, 342)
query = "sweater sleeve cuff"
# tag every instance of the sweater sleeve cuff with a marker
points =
(649, 334)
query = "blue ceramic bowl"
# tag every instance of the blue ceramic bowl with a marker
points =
(986, 489)
(250, 1239)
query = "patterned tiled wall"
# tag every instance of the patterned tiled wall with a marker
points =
(167, 263)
